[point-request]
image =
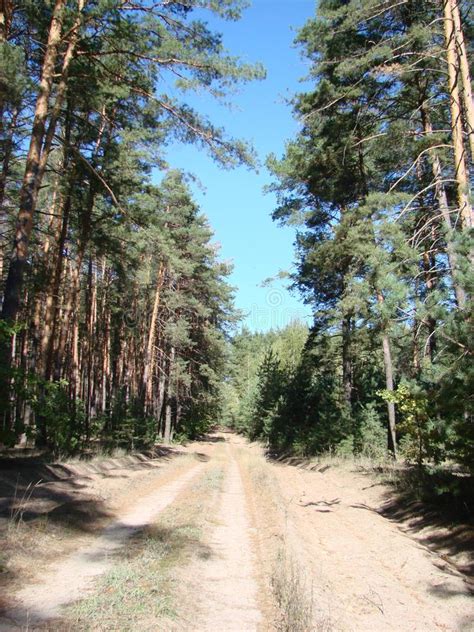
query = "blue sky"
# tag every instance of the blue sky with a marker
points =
(234, 202)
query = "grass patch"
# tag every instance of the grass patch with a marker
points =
(293, 596)
(27, 545)
(142, 591)
(137, 592)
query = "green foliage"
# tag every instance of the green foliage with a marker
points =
(371, 437)
(63, 419)
(127, 307)
(365, 182)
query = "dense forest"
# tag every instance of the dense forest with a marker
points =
(117, 316)
(115, 304)
(377, 185)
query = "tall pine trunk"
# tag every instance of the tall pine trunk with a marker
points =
(40, 146)
(442, 200)
(460, 166)
(31, 180)
(148, 367)
(347, 361)
(52, 299)
(466, 94)
(170, 395)
(389, 385)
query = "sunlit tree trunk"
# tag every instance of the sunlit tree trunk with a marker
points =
(442, 200)
(39, 150)
(460, 166)
(467, 98)
(149, 361)
(388, 365)
(31, 180)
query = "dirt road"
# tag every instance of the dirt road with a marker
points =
(277, 548)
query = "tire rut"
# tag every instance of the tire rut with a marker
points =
(227, 580)
(68, 580)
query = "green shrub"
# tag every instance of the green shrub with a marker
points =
(371, 436)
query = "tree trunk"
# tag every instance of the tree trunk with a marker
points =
(387, 360)
(90, 345)
(52, 299)
(31, 183)
(169, 399)
(160, 399)
(347, 361)
(442, 200)
(40, 147)
(430, 283)
(149, 353)
(460, 167)
(466, 94)
(168, 421)
(106, 350)
(6, 12)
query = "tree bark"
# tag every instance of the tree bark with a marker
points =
(460, 167)
(149, 353)
(429, 263)
(387, 359)
(443, 205)
(347, 361)
(38, 153)
(168, 435)
(6, 12)
(52, 299)
(466, 94)
(31, 183)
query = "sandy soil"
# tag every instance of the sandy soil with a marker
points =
(228, 596)
(68, 580)
(366, 572)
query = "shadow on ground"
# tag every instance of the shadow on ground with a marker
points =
(43, 503)
(143, 555)
(436, 509)
(31, 488)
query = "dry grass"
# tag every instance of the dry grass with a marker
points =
(27, 546)
(142, 592)
(25, 542)
(20, 505)
(293, 595)
(293, 608)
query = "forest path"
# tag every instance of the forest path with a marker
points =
(228, 589)
(67, 580)
(284, 548)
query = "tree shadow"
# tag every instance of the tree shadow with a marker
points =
(129, 545)
(32, 488)
(211, 438)
(437, 510)
(41, 500)
(323, 506)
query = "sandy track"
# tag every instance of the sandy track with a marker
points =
(365, 573)
(228, 588)
(68, 580)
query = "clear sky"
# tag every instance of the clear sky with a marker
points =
(234, 202)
